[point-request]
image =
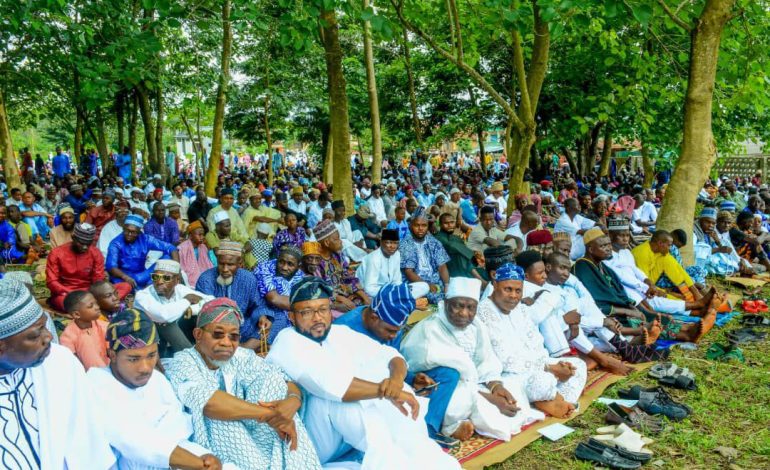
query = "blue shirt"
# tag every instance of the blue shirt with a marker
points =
(243, 290)
(61, 165)
(123, 163)
(402, 227)
(354, 320)
(131, 257)
(78, 205)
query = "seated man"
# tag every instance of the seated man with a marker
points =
(381, 266)
(62, 233)
(345, 411)
(486, 234)
(275, 279)
(43, 393)
(142, 418)
(528, 223)
(113, 228)
(423, 259)
(363, 221)
(228, 279)
(462, 260)
(170, 304)
(35, 216)
(383, 321)
(242, 407)
(194, 254)
(258, 213)
(221, 232)
(553, 386)
(226, 201)
(127, 254)
(718, 255)
(76, 266)
(484, 401)
(8, 249)
(335, 270)
(606, 289)
(162, 227)
(644, 216)
(101, 215)
(749, 243)
(575, 224)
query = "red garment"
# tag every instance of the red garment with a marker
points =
(67, 271)
(98, 216)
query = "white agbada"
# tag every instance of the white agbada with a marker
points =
(108, 233)
(645, 213)
(376, 270)
(572, 226)
(325, 371)
(547, 313)
(520, 348)
(143, 425)
(435, 342)
(163, 310)
(632, 279)
(377, 205)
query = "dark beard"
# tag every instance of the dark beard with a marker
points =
(307, 334)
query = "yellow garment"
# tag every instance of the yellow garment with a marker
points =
(237, 229)
(251, 225)
(655, 265)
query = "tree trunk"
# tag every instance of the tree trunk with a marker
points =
(101, 141)
(479, 131)
(374, 106)
(199, 170)
(10, 166)
(412, 95)
(328, 169)
(593, 145)
(120, 100)
(133, 111)
(219, 111)
(78, 143)
(159, 111)
(570, 160)
(150, 153)
(270, 172)
(698, 147)
(190, 135)
(604, 166)
(338, 111)
(649, 166)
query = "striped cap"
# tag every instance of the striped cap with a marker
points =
(394, 303)
(135, 220)
(131, 329)
(18, 310)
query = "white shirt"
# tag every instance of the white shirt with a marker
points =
(572, 226)
(300, 208)
(515, 230)
(184, 203)
(376, 270)
(644, 213)
(632, 278)
(163, 310)
(109, 232)
(377, 205)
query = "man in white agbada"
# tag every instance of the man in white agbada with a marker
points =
(484, 401)
(381, 266)
(48, 420)
(552, 385)
(142, 418)
(168, 303)
(357, 401)
(112, 229)
(576, 225)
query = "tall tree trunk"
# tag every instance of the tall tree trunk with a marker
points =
(649, 166)
(270, 172)
(219, 110)
(594, 144)
(412, 95)
(101, 141)
(150, 153)
(698, 147)
(78, 142)
(328, 169)
(10, 166)
(201, 163)
(374, 106)
(133, 117)
(338, 111)
(120, 100)
(570, 160)
(159, 111)
(479, 129)
(604, 165)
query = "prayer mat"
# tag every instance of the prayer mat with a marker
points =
(479, 452)
(746, 281)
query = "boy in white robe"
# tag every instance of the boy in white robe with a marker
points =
(357, 401)
(484, 401)
(381, 266)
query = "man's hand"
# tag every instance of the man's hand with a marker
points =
(193, 299)
(264, 323)
(390, 388)
(210, 462)
(612, 324)
(562, 370)
(572, 317)
(504, 401)
(574, 331)
(281, 418)
(421, 381)
(344, 304)
(408, 399)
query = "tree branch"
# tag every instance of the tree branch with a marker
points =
(521, 74)
(458, 31)
(674, 16)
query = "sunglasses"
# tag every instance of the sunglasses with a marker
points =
(162, 277)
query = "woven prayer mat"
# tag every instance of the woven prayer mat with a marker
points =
(747, 281)
(479, 452)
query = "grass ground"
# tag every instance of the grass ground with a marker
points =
(731, 408)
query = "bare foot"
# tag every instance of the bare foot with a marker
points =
(705, 324)
(464, 431)
(614, 366)
(590, 363)
(558, 408)
(654, 329)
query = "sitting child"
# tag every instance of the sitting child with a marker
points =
(85, 335)
(108, 298)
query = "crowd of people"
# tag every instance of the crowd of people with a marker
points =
(267, 328)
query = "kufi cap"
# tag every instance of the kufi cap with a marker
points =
(725, 215)
(592, 234)
(392, 186)
(227, 192)
(525, 259)
(229, 247)
(509, 272)
(420, 213)
(539, 237)
(546, 183)
(463, 287)
(364, 212)
(157, 176)
(194, 225)
(561, 236)
(496, 186)
(64, 209)
(110, 192)
(135, 220)
(454, 191)
(84, 233)
(122, 206)
(497, 256)
(309, 288)
(76, 187)
(267, 193)
(18, 310)
(135, 190)
(617, 224)
(173, 206)
(168, 265)
(728, 206)
(221, 310)
(221, 216)
(708, 213)
(324, 229)
(292, 250)
(157, 191)
(297, 190)
(337, 204)
(394, 303)
(96, 191)
(131, 329)
(264, 228)
(389, 235)
(440, 194)
(311, 248)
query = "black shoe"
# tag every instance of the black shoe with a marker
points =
(656, 401)
(607, 457)
(626, 454)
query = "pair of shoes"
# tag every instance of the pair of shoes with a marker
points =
(632, 417)
(745, 335)
(672, 375)
(754, 306)
(719, 352)
(605, 456)
(755, 320)
(623, 437)
(656, 401)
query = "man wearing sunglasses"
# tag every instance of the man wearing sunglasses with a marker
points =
(171, 306)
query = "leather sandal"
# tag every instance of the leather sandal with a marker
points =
(633, 418)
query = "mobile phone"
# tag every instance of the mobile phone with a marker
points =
(425, 389)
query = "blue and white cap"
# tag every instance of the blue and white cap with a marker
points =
(395, 302)
(135, 220)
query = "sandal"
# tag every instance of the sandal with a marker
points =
(632, 417)
(671, 375)
(719, 352)
(749, 306)
(755, 320)
(761, 306)
(745, 335)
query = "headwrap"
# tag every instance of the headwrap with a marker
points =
(292, 250)
(725, 215)
(221, 216)
(420, 213)
(337, 204)
(389, 235)
(525, 259)
(221, 310)
(18, 310)
(509, 272)
(539, 237)
(84, 233)
(311, 248)
(561, 236)
(463, 287)
(617, 224)
(297, 190)
(497, 256)
(324, 229)
(76, 187)
(227, 192)
(194, 225)
(64, 209)
(135, 220)
(309, 288)
(229, 247)
(708, 213)
(394, 303)
(168, 265)
(110, 193)
(592, 234)
(131, 329)
(496, 186)
(728, 206)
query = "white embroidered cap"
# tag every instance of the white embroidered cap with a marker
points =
(463, 287)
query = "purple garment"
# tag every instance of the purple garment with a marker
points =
(168, 231)
(284, 237)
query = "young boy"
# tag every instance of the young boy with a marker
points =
(107, 297)
(85, 335)
(400, 223)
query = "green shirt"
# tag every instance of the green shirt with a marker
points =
(460, 256)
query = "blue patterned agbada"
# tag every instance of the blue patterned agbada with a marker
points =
(269, 280)
(424, 258)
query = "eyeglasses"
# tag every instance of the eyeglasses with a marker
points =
(310, 313)
(162, 277)
(233, 337)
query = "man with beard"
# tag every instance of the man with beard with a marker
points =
(242, 407)
(258, 213)
(35, 216)
(77, 200)
(275, 279)
(486, 234)
(311, 258)
(226, 201)
(228, 279)
(381, 266)
(113, 228)
(142, 418)
(43, 392)
(423, 259)
(127, 254)
(62, 233)
(345, 411)
(76, 266)
(99, 216)
(461, 258)
(170, 304)
(223, 227)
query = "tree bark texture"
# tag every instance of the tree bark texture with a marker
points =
(604, 165)
(150, 154)
(10, 166)
(101, 141)
(328, 169)
(219, 110)
(270, 171)
(133, 117)
(78, 138)
(648, 163)
(412, 95)
(698, 152)
(374, 106)
(159, 111)
(120, 100)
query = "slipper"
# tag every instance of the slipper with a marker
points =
(672, 375)
(682, 382)
(761, 306)
(749, 306)
(745, 335)
(719, 352)
(755, 320)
